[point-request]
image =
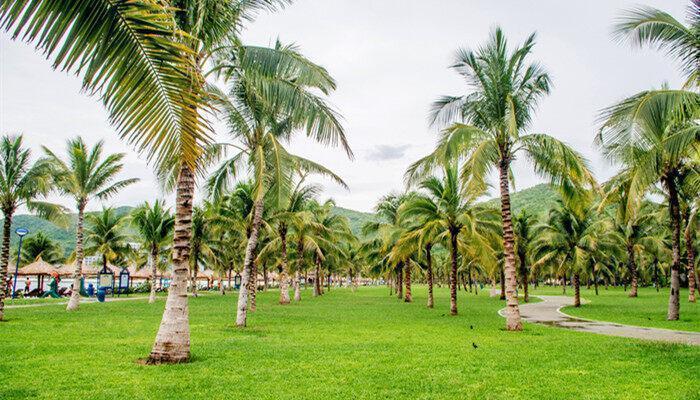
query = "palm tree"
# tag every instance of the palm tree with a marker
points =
(83, 176)
(420, 238)
(267, 103)
(105, 236)
(288, 215)
(691, 209)
(154, 224)
(522, 224)
(41, 246)
(649, 26)
(383, 236)
(634, 223)
(21, 184)
(450, 210)
(574, 237)
(505, 90)
(653, 137)
(201, 238)
(144, 59)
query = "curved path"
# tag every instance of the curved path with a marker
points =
(548, 312)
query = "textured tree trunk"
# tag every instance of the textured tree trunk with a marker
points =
(691, 265)
(595, 283)
(254, 284)
(453, 273)
(172, 343)
(154, 271)
(195, 269)
(407, 276)
(399, 282)
(317, 277)
(284, 285)
(503, 284)
(563, 284)
(429, 261)
(4, 261)
(577, 290)
(242, 308)
(74, 302)
(264, 278)
(632, 267)
(513, 322)
(297, 289)
(656, 274)
(674, 210)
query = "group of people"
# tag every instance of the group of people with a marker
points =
(54, 290)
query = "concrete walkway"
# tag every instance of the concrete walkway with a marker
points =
(548, 312)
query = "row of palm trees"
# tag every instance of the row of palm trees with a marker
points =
(155, 67)
(654, 136)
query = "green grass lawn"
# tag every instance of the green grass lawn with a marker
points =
(339, 346)
(649, 309)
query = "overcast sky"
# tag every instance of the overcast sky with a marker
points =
(390, 60)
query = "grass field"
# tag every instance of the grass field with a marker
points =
(339, 346)
(649, 309)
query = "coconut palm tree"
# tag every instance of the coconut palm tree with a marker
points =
(41, 246)
(574, 237)
(523, 223)
(154, 224)
(650, 26)
(265, 107)
(420, 238)
(450, 209)
(383, 235)
(85, 175)
(105, 236)
(289, 214)
(654, 138)
(21, 184)
(494, 117)
(200, 242)
(329, 231)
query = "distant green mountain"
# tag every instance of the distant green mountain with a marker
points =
(538, 200)
(356, 218)
(64, 235)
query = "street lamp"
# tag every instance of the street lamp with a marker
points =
(21, 232)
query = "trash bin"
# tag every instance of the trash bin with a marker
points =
(101, 295)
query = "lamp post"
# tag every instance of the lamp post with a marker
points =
(21, 232)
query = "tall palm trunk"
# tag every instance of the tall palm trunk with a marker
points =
(632, 267)
(429, 263)
(317, 278)
(242, 308)
(513, 322)
(407, 276)
(172, 343)
(453, 272)
(297, 288)
(195, 268)
(284, 285)
(253, 290)
(674, 210)
(656, 273)
(524, 275)
(503, 284)
(595, 283)
(153, 261)
(399, 282)
(691, 265)
(5, 260)
(577, 290)
(74, 302)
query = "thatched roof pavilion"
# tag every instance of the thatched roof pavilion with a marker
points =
(38, 267)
